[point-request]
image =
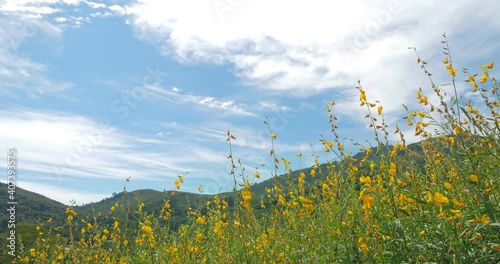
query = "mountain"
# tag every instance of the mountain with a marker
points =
(153, 202)
(33, 208)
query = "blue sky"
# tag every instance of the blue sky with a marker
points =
(94, 92)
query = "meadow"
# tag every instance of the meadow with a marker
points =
(438, 203)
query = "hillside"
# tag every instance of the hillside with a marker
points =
(31, 208)
(35, 208)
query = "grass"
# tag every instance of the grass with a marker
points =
(436, 204)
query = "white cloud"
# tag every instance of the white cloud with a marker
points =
(21, 21)
(304, 47)
(17, 72)
(274, 106)
(154, 91)
(61, 19)
(66, 145)
(37, 8)
(95, 5)
(117, 9)
(226, 105)
(251, 142)
(63, 195)
(32, 10)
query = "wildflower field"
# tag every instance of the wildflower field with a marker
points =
(432, 202)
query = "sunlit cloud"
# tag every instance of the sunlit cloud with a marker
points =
(175, 95)
(61, 194)
(331, 46)
(76, 146)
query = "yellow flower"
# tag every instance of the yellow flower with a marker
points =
(201, 220)
(402, 183)
(447, 185)
(365, 180)
(441, 214)
(340, 147)
(457, 203)
(380, 108)
(177, 185)
(247, 197)
(452, 72)
(329, 143)
(471, 79)
(140, 240)
(485, 220)
(473, 177)
(281, 200)
(362, 96)
(392, 170)
(273, 135)
(313, 173)
(445, 61)
(456, 212)
(362, 245)
(181, 179)
(70, 218)
(452, 140)
(32, 252)
(487, 66)
(424, 101)
(256, 175)
(367, 200)
(485, 75)
(440, 198)
(147, 229)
